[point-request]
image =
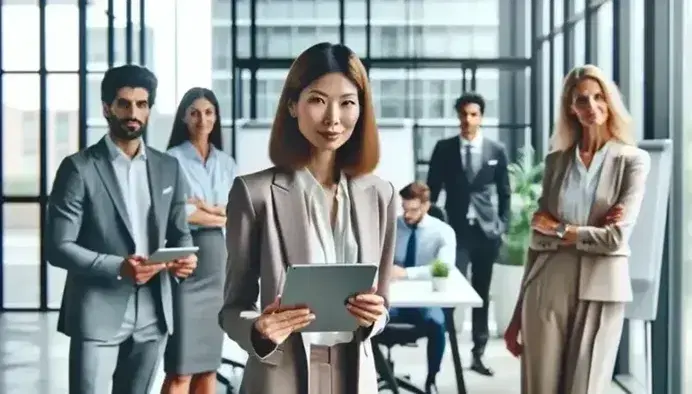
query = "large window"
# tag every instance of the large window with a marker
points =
(579, 34)
(604, 38)
(558, 73)
(686, 82)
(29, 114)
(635, 88)
(40, 128)
(546, 94)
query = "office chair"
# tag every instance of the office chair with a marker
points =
(437, 212)
(398, 334)
(402, 334)
(226, 381)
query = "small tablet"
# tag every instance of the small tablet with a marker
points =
(325, 289)
(169, 254)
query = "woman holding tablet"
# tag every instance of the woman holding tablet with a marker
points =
(193, 353)
(320, 204)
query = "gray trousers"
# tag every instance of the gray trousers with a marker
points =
(129, 360)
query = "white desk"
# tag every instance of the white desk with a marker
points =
(408, 294)
(419, 294)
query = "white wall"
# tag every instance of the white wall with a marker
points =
(396, 145)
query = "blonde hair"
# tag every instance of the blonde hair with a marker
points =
(568, 129)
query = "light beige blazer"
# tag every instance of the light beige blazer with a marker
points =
(266, 232)
(604, 268)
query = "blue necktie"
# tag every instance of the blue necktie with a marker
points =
(410, 260)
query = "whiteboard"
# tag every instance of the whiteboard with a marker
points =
(648, 236)
(397, 162)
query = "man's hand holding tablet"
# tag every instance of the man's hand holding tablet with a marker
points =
(135, 268)
(278, 321)
(181, 262)
(183, 267)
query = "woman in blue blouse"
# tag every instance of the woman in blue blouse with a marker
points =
(193, 353)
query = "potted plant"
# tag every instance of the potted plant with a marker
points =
(525, 179)
(439, 271)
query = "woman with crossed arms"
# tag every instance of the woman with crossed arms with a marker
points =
(576, 282)
(193, 352)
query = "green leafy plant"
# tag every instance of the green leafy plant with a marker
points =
(439, 269)
(525, 178)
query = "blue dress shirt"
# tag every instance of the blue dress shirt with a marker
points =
(435, 239)
(210, 181)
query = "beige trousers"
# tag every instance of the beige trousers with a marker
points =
(329, 369)
(570, 345)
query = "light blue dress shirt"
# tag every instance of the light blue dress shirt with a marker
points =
(210, 181)
(435, 239)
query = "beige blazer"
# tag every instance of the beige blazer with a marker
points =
(266, 232)
(604, 268)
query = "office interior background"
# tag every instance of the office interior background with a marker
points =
(420, 55)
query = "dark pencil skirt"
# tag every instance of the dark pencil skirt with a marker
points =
(197, 340)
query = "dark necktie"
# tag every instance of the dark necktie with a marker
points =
(410, 260)
(468, 162)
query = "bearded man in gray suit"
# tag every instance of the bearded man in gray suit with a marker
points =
(112, 205)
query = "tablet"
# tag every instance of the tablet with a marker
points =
(169, 254)
(325, 288)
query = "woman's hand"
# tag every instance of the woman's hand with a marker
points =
(278, 322)
(512, 336)
(219, 210)
(216, 210)
(544, 223)
(196, 202)
(366, 307)
(614, 215)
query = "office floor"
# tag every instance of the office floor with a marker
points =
(33, 359)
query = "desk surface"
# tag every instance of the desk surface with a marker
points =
(419, 293)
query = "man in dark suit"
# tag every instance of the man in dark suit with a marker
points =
(111, 206)
(473, 172)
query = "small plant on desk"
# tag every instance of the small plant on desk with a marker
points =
(440, 273)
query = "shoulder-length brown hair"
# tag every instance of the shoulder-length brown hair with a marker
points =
(288, 149)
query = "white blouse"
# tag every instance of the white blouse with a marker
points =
(579, 187)
(329, 245)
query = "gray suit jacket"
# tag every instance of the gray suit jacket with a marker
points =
(489, 191)
(88, 233)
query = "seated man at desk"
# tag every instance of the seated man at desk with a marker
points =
(420, 240)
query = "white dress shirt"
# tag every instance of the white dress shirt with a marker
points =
(476, 161)
(133, 181)
(435, 239)
(328, 245)
(579, 187)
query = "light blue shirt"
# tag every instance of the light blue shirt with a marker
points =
(435, 239)
(210, 181)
